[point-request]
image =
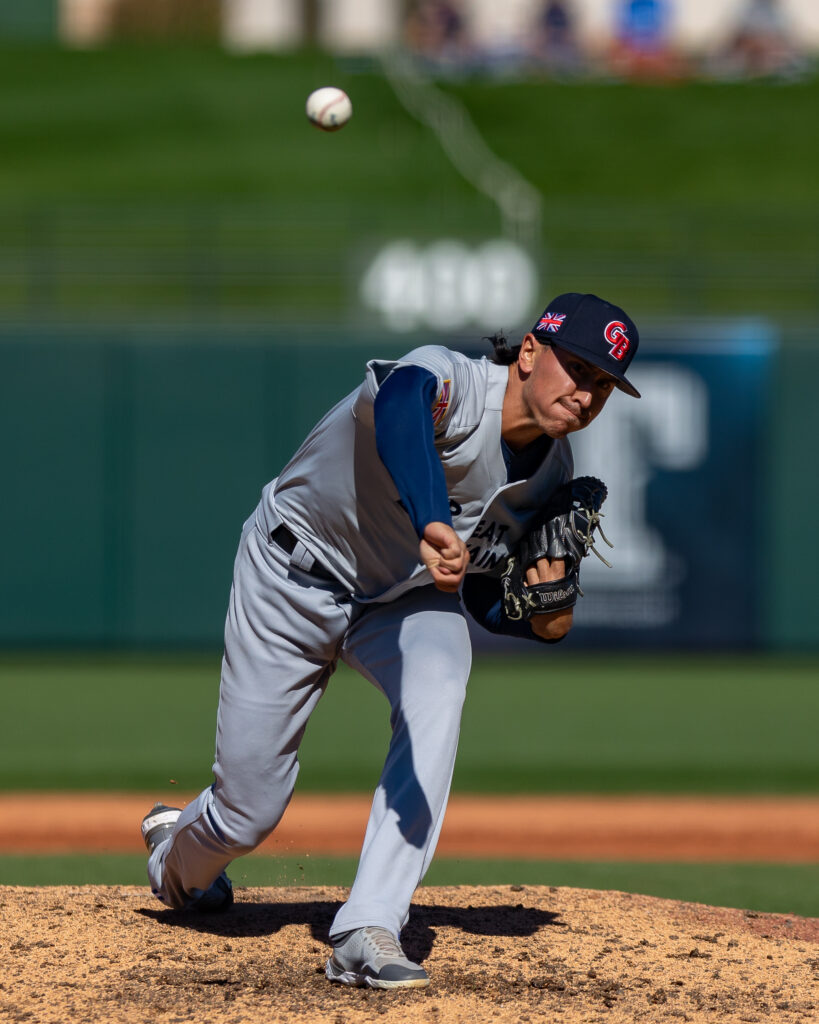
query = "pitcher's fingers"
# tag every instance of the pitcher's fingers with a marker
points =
(449, 582)
(544, 571)
(457, 564)
(459, 556)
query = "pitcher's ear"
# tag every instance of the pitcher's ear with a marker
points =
(528, 350)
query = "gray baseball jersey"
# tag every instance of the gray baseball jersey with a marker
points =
(338, 498)
(348, 584)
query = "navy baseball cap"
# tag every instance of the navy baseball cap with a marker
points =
(593, 329)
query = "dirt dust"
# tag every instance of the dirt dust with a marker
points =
(495, 954)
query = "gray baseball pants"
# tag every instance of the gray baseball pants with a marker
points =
(286, 629)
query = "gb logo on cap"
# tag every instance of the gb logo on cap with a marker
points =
(615, 335)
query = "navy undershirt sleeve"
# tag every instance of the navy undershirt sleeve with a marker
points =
(483, 598)
(405, 440)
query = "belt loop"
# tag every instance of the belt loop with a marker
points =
(302, 557)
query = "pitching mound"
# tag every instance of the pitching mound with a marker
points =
(495, 954)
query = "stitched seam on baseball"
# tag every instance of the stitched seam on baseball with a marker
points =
(329, 106)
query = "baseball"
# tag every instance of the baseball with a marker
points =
(329, 108)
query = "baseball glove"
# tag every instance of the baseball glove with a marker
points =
(566, 530)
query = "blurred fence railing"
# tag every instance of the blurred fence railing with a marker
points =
(290, 264)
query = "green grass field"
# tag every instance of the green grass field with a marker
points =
(190, 175)
(554, 722)
(550, 723)
(775, 888)
(181, 124)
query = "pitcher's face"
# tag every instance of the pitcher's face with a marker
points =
(562, 392)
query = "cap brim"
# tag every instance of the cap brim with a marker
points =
(590, 357)
(624, 385)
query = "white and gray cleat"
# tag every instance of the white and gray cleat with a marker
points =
(373, 957)
(158, 825)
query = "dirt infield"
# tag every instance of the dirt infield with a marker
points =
(776, 829)
(495, 954)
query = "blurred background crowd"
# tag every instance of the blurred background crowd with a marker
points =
(629, 39)
(619, 38)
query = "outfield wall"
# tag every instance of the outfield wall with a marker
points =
(132, 457)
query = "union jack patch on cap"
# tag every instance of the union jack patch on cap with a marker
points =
(551, 322)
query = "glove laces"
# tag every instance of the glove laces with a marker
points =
(592, 518)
